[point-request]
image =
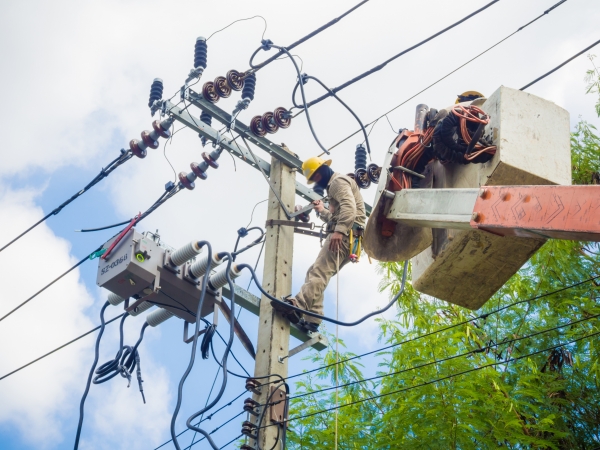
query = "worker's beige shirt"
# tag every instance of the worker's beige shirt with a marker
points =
(348, 204)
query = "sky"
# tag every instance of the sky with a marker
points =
(75, 80)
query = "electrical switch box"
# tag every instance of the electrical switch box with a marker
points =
(139, 268)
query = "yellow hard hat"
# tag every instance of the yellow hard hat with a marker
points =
(468, 96)
(310, 166)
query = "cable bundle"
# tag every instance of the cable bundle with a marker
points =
(458, 137)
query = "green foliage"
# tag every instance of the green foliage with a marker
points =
(592, 77)
(550, 400)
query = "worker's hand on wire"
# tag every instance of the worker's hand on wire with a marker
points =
(319, 206)
(335, 242)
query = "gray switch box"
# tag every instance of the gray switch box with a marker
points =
(137, 263)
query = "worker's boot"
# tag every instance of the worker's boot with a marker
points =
(309, 327)
(282, 306)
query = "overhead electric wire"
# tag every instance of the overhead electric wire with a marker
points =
(124, 157)
(209, 417)
(256, 68)
(560, 65)
(61, 347)
(460, 355)
(446, 328)
(408, 388)
(450, 73)
(396, 56)
(48, 285)
(163, 198)
(318, 316)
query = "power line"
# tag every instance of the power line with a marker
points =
(49, 284)
(398, 55)
(469, 353)
(209, 417)
(304, 39)
(451, 72)
(124, 157)
(560, 65)
(60, 347)
(163, 198)
(449, 327)
(441, 379)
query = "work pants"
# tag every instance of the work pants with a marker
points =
(311, 293)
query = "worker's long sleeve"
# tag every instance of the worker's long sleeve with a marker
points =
(340, 192)
(325, 215)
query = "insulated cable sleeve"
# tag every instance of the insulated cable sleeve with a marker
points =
(89, 230)
(403, 52)
(305, 107)
(111, 368)
(327, 319)
(224, 362)
(304, 39)
(89, 380)
(194, 345)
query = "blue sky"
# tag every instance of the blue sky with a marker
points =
(76, 77)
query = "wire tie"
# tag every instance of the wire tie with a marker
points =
(97, 253)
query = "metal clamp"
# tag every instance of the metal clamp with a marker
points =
(290, 223)
(404, 169)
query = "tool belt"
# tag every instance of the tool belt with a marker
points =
(355, 237)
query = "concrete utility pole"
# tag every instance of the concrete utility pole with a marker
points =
(273, 329)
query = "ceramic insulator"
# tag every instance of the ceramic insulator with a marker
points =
(145, 306)
(115, 299)
(199, 267)
(185, 253)
(219, 279)
(159, 316)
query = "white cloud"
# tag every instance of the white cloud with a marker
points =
(75, 79)
(33, 400)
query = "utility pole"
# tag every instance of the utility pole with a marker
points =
(273, 329)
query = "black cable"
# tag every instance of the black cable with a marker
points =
(328, 319)
(126, 360)
(301, 82)
(243, 232)
(107, 227)
(362, 127)
(438, 361)
(209, 417)
(560, 65)
(256, 68)
(48, 285)
(451, 72)
(403, 52)
(60, 347)
(194, 345)
(234, 357)
(89, 380)
(124, 157)
(444, 378)
(162, 199)
(264, 410)
(223, 361)
(449, 327)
